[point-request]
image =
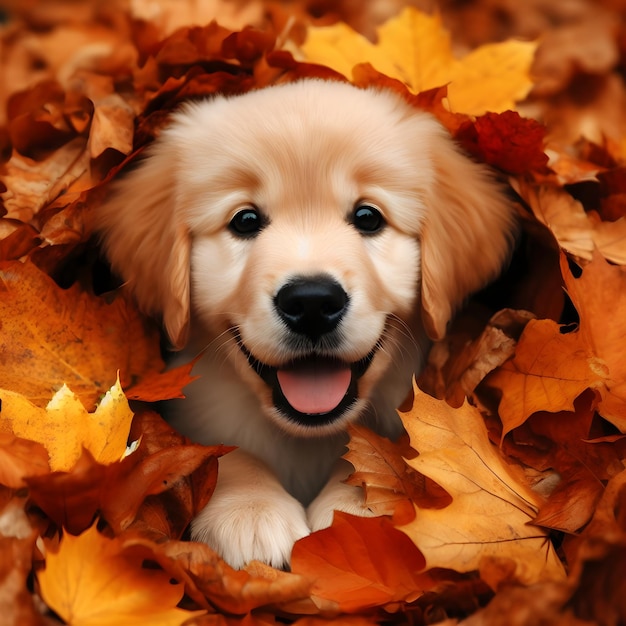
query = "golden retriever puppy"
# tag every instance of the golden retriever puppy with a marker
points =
(308, 238)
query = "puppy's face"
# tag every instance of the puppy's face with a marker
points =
(309, 228)
(305, 224)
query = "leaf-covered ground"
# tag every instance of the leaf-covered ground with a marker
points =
(505, 503)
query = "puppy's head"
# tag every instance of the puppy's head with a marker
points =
(308, 230)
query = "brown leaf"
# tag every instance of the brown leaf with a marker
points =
(600, 564)
(20, 458)
(117, 491)
(391, 486)
(211, 582)
(457, 364)
(16, 603)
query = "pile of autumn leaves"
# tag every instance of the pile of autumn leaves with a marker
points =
(508, 500)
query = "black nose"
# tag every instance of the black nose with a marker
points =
(311, 306)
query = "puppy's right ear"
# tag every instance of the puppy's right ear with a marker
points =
(147, 243)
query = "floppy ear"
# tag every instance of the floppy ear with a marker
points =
(468, 234)
(147, 243)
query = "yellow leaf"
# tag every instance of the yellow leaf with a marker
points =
(93, 581)
(415, 48)
(64, 427)
(491, 509)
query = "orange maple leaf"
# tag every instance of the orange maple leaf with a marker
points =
(58, 336)
(91, 580)
(551, 368)
(488, 518)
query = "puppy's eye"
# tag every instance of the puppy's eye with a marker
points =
(247, 223)
(367, 218)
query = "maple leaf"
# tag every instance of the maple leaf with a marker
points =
(58, 336)
(64, 427)
(551, 369)
(506, 140)
(491, 507)
(161, 485)
(414, 48)
(92, 580)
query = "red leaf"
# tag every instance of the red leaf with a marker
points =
(507, 141)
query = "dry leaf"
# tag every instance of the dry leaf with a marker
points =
(491, 507)
(577, 231)
(360, 563)
(93, 581)
(58, 336)
(414, 48)
(391, 486)
(20, 458)
(600, 566)
(16, 604)
(65, 428)
(213, 583)
(551, 368)
(162, 484)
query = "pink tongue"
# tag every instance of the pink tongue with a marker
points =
(314, 390)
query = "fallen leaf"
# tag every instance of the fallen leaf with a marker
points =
(572, 446)
(551, 368)
(20, 458)
(491, 507)
(359, 563)
(457, 364)
(414, 48)
(577, 231)
(56, 336)
(599, 295)
(92, 580)
(391, 486)
(213, 583)
(599, 565)
(548, 372)
(135, 488)
(65, 428)
(16, 603)
(505, 140)
(31, 185)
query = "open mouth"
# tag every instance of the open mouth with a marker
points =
(312, 390)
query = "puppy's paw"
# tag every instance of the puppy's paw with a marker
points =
(250, 516)
(336, 496)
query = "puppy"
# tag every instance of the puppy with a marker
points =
(309, 238)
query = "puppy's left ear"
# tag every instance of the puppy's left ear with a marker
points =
(468, 234)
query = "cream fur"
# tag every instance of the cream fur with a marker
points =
(304, 154)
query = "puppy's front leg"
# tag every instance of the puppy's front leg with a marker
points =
(337, 496)
(250, 515)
